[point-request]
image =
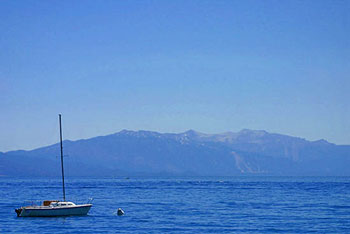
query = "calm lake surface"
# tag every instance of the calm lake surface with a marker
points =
(185, 205)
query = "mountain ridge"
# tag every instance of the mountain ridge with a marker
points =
(188, 153)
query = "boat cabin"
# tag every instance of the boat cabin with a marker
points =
(47, 203)
(60, 204)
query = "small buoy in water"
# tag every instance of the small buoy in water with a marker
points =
(120, 212)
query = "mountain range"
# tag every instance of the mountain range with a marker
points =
(129, 153)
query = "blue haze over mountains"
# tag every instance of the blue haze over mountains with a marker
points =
(136, 153)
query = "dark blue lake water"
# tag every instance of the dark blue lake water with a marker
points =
(186, 205)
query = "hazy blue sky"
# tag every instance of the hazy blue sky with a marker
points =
(170, 66)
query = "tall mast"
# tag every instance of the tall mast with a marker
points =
(64, 191)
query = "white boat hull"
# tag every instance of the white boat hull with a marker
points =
(45, 211)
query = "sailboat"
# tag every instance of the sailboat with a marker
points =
(55, 207)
